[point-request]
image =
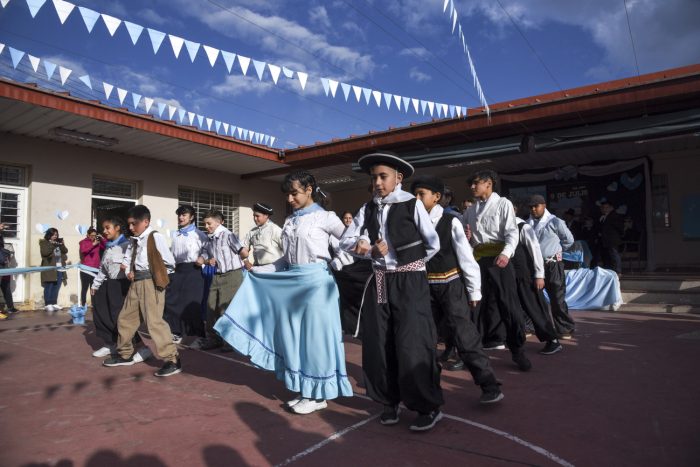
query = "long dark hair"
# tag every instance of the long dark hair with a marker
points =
(305, 179)
(49, 233)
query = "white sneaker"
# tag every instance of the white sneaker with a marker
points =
(144, 353)
(103, 352)
(294, 401)
(48, 308)
(307, 406)
(177, 339)
(56, 308)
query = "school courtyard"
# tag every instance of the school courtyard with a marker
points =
(623, 392)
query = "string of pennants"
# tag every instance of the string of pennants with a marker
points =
(330, 86)
(465, 47)
(164, 110)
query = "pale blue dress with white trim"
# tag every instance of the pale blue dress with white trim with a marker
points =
(286, 316)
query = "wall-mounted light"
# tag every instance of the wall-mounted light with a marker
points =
(468, 163)
(83, 137)
(332, 181)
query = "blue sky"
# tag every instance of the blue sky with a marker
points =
(404, 47)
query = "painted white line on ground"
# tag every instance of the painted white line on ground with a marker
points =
(332, 437)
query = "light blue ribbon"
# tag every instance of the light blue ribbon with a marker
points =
(30, 269)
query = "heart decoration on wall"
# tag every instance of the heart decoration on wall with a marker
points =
(160, 223)
(42, 228)
(631, 183)
(62, 215)
(81, 229)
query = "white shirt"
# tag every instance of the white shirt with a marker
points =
(142, 251)
(493, 221)
(340, 257)
(529, 240)
(186, 248)
(464, 252)
(110, 266)
(223, 246)
(265, 243)
(354, 232)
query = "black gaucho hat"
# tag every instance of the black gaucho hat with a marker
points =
(386, 158)
(430, 182)
(263, 209)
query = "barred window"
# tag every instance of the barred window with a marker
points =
(203, 201)
(12, 175)
(9, 213)
(114, 188)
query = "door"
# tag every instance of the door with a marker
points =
(13, 213)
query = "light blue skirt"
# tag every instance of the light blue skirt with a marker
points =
(289, 322)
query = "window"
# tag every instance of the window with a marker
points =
(9, 213)
(114, 188)
(11, 175)
(112, 197)
(661, 205)
(204, 200)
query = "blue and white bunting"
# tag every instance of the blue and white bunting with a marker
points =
(121, 93)
(134, 31)
(259, 68)
(64, 73)
(181, 114)
(302, 79)
(35, 6)
(228, 59)
(63, 9)
(148, 103)
(274, 72)
(4, 4)
(34, 61)
(192, 49)
(358, 92)
(333, 86)
(16, 56)
(209, 122)
(346, 90)
(111, 22)
(90, 17)
(156, 38)
(161, 109)
(171, 111)
(200, 120)
(176, 42)
(377, 97)
(217, 126)
(86, 81)
(212, 54)
(136, 98)
(190, 118)
(367, 93)
(387, 100)
(326, 88)
(287, 72)
(243, 62)
(108, 89)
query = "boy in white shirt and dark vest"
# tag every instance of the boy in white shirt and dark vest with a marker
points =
(399, 337)
(449, 271)
(492, 231)
(150, 261)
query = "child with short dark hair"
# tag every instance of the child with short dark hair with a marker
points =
(149, 261)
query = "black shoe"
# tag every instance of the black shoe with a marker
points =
(11, 311)
(494, 346)
(206, 344)
(390, 416)
(455, 366)
(491, 395)
(169, 369)
(426, 421)
(522, 361)
(119, 361)
(447, 353)
(551, 347)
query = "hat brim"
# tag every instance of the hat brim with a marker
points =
(370, 160)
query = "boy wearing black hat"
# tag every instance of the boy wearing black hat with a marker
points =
(184, 295)
(453, 264)
(264, 241)
(492, 231)
(398, 344)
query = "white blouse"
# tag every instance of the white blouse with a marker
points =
(186, 248)
(305, 239)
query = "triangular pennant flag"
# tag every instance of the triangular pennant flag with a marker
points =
(192, 49)
(431, 107)
(259, 68)
(243, 62)
(156, 38)
(148, 103)
(266, 139)
(212, 54)
(439, 110)
(176, 42)
(302, 79)
(333, 85)
(245, 134)
(225, 125)
(121, 93)
(458, 109)
(377, 97)
(228, 59)
(464, 112)
(209, 122)
(272, 140)
(2, 46)
(108, 89)
(415, 104)
(217, 125)
(63, 9)
(190, 117)
(454, 20)
(89, 17)
(423, 105)
(444, 109)
(35, 6)
(240, 133)
(64, 73)
(233, 131)
(112, 23)
(358, 92)
(136, 98)
(86, 80)
(387, 100)
(452, 111)
(274, 72)
(367, 93)
(161, 108)
(134, 31)
(181, 114)
(444, 7)
(171, 111)
(397, 100)
(4, 4)
(406, 100)
(34, 61)
(346, 90)
(16, 56)
(324, 82)
(287, 72)
(200, 120)
(251, 135)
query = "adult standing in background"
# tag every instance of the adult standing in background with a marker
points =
(91, 248)
(610, 231)
(53, 253)
(6, 281)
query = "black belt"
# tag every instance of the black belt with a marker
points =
(227, 272)
(186, 266)
(142, 275)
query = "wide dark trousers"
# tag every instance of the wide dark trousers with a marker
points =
(449, 305)
(555, 285)
(535, 306)
(106, 305)
(500, 303)
(398, 344)
(183, 300)
(351, 282)
(85, 284)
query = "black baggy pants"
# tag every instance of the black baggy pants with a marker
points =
(85, 284)
(450, 305)
(183, 301)
(398, 344)
(535, 306)
(555, 285)
(107, 303)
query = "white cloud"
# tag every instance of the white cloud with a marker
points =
(235, 85)
(354, 28)
(152, 17)
(319, 15)
(413, 52)
(416, 75)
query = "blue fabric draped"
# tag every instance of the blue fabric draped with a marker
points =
(592, 289)
(289, 322)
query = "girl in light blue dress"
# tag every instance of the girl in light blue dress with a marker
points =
(285, 315)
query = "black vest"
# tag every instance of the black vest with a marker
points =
(401, 228)
(444, 260)
(523, 263)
